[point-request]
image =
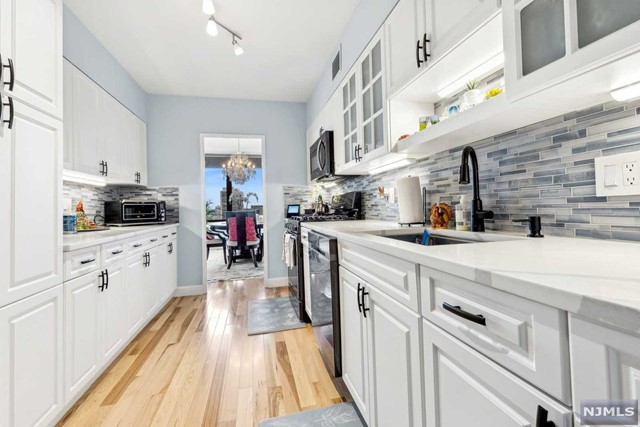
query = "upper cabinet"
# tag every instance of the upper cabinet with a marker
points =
(31, 50)
(419, 32)
(102, 138)
(550, 41)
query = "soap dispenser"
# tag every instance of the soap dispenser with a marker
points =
(463, 215)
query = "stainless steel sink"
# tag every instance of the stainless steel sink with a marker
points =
(434, 240)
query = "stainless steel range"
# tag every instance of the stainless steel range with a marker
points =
(312, 282)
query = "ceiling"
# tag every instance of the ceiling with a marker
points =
(163, 44)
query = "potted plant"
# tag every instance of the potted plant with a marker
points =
(473, 95)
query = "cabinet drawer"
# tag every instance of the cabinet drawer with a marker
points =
(524, 336)
(396, 277)
(605, 363)
(464, 388)
(139, 244)
(113, 252)
(81, 262)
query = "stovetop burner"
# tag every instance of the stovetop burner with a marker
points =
(306, 218)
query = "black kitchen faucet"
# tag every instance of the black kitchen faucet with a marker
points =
(478, 215)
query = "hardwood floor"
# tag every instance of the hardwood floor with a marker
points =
(194, 364)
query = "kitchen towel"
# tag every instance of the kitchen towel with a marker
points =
(410, 200)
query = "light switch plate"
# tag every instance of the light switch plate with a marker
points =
(618, 175)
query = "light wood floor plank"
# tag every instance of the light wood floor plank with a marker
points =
(194, 364)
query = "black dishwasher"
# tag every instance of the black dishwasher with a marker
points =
(325, 299)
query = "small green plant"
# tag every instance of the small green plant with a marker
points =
(472, 84)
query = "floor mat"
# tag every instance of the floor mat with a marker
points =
(240, 270)
(343, 415)
(272, 315)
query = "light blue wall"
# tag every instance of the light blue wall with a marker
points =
(83, 50)
(363, 25)
(175, 125)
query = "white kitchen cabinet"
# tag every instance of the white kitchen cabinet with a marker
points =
(82, 333)
(31, 211)
(167, 278)
(113, 311)
(349, 145)
(353, 330)
(84, 127)
(153, 280)
(605, 363)
(31, 360)
(31, 37)
(404, 32)
(464, 388)
(548, 42)
(394, 351)
(136, 292)
(380, 354)
(448, 24)
(102, 137)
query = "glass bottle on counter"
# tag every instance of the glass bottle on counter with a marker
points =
(463, 215)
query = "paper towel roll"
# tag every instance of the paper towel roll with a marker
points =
(410, 200)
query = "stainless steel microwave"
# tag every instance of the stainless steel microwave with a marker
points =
(132, 212)
(321, 158)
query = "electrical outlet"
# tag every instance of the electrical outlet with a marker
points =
(630, 173)
(618, 175)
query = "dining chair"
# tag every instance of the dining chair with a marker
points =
(243, 234)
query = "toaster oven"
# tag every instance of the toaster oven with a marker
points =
(131, 212)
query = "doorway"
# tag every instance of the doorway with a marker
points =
(234, 180)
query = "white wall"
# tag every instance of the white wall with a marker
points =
(363, 25)
(83, 50)
(175, 125)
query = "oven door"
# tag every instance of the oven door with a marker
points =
(139, 212)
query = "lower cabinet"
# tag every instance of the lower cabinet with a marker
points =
(31, 362)
(113, 312)
(464, 388)
(135, 291)
(605, 363)
(169, 263)
(153, 279)
(381, 354)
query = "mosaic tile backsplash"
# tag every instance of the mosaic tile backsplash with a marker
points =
(544, 169)
(93, 198)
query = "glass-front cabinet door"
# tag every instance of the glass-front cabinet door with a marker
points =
(372, 100)
(352, 150)
(549, 41)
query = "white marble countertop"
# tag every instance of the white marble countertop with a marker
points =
(598, 279)
(71, 242)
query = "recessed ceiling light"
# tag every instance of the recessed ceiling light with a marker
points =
(626, 93)
(208, 8)
(212, 27)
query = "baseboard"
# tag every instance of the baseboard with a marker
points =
(277, 282)
(185, 291)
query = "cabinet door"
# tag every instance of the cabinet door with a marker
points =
(30, 212)
(111, 135)
(113, 312)
(371, 92)
(172, 277)
(154, 279)
(404, 30)
(31, 332)
(605, 363)
(394, 362)
(135, 284)
(353, 329)
(449, 24)
(597, 19)
(131, 148)
(82, 346)
(68, 71)
(85, 124)
(31, 36)
(349, 143)
(463, 388)
(142, 151)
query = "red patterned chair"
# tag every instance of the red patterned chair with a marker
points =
(243, 234)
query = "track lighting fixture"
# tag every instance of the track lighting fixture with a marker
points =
(237, 49)
(208, 8)
(212, 27)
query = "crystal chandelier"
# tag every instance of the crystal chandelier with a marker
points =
(239, 169)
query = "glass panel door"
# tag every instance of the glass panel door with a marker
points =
(599, 18)
(542, 33)
(372, 100)
(350, 118)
